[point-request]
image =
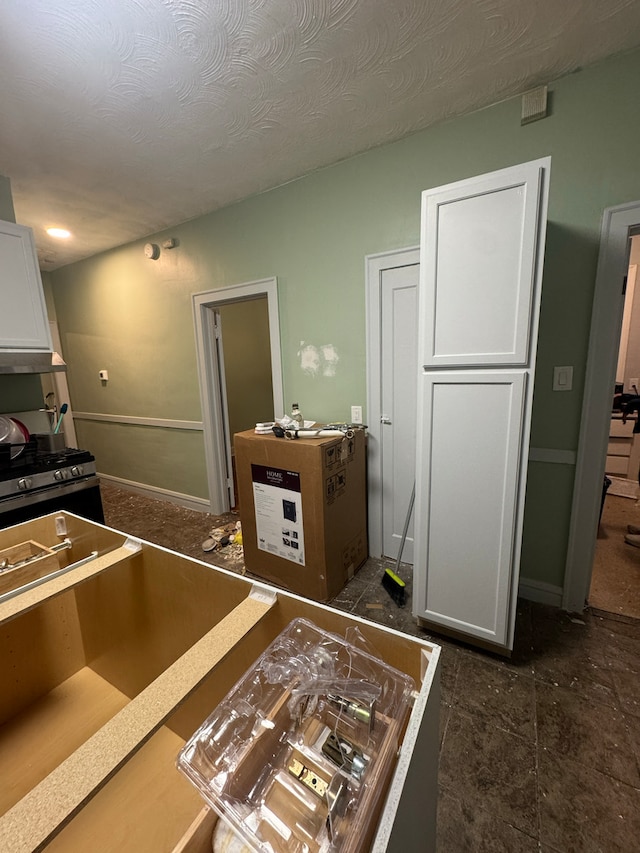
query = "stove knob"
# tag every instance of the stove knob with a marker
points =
(24, 483)
(58, 475)
(77, 471)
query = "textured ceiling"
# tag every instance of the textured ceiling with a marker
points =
(119, 118)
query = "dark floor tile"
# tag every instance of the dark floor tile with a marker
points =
(618, 626)
(376, 605)
(505, 698)
(371, 570)
(490, 770)
(463, 828)
(445, 713)
(348, 597)
(585, 811)
(588, 732)
(523, 632)
(449, 667)
(567, 652)
(626, 684)
(632, 725)
(622, 652)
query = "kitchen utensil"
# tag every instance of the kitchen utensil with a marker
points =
(63, 409)
(10, 433)
(50, 442)
(23, 429)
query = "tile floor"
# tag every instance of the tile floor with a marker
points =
(537, 753)
(615, 582)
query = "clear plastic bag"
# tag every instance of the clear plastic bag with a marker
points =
(299, 754)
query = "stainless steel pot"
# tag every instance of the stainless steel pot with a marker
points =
(11, 433)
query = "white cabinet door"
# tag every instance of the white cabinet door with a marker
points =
(482, 245)
(478, 264)
(470, 455)
(23, 314)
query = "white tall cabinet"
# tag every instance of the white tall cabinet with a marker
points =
(23, 316)
(482, 245)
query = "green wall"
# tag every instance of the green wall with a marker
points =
(133, 316)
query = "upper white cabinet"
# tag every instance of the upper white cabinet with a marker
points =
(478, 267)
(23, 312)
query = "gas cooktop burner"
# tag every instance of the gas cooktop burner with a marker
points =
(32, 461)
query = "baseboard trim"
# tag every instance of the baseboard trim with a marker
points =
(540, 592)
(187, 501)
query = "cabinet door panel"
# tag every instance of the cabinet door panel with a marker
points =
(471, 425)
(23, 318)
(478, 269)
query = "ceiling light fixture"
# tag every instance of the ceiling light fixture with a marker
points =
(61, 233)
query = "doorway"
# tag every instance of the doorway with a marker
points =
(392, 325)
(615, 578)
(618, 225)
(234, 390)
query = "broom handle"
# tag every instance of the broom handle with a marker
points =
(406, 525)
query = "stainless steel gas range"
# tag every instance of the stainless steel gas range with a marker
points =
(37, 482)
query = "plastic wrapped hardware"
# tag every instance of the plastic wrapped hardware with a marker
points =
(298, 756)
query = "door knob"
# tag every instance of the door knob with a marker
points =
(384, 419)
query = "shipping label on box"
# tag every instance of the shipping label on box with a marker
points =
(339, 453)
(278, 506)
(335, 485)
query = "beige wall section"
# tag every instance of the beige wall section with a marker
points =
(247, 361)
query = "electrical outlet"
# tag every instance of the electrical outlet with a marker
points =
(356, 414)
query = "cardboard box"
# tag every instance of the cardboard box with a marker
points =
(108, 668)
(303, 510)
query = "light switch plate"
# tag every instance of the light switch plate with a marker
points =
(562, 378)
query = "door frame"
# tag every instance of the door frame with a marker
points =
(217, 442)
(602, 360)
(375, 265)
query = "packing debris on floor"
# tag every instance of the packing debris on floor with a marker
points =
(227, 538)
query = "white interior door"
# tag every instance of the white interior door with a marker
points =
(480, 274)
(218, 365)
(399, 346)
